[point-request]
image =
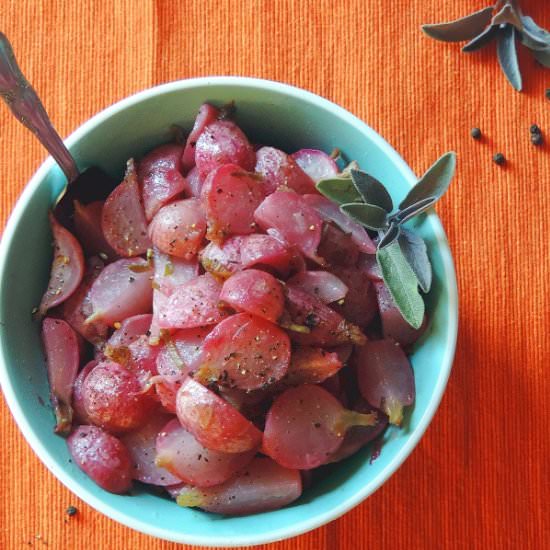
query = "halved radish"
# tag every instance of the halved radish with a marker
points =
(206, 115)
(309, 365)
(244, 351)
(78, 400)
(262, 486)
(222, 260)
(87, 227)
(279, 169)
(67, 267)
(214, 422)
(171, 272)
(223, 142)
(255, 292)
(123, 219)
(265, 250)
(324, 285)
(159, 174)
(123, 289)
(180, 453)
(178, 228)
(316, 164)
(141, 445)
(230, 197)
(294, 219)
(192, 304)
(62, 359)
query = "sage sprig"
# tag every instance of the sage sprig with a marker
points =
(505, 23)
(401, 254)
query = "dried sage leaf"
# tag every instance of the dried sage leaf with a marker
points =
(508, 15)
(481, 40)
(434, 182)
(543, 57)
(533, 36)
(464, 28)
(371, 190)
(508, 56)
(371, 216)
(416, 253)
(390, 236)
(402, 283)
(339, 190)
(415, 209)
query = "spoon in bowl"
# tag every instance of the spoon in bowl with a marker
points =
(90, 185)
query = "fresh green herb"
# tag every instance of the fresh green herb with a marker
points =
(499, 159)
(401, 255)
(475, 133)
(505, 23)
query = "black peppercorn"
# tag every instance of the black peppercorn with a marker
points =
(536, 139)
(499, 159)
(71, 511)
(547, 93)
(475, 133)
(534, 129)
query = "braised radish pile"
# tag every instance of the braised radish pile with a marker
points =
(217, 327)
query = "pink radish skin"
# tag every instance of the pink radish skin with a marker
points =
(316, 164)
(114, 399)
(213, 422)
(194, 182)
(62, 360)
(385, 377)
(262, 486)
(102, 457)
(123, 219)
(123, 289)
(322, 284)
(294, 219)
(141, 445)
(265, 250)
(160, 178)
(171, 272)
(179, 228)
(78, 307)
(337, 248)
(393, 324)
(78, 400)
(279, 169)
(222, 260)
(192, 304)
(230, 197)
(311, 366)
(324, 326)
(180, 453)
(67, 268)
(223, 142)
(206, 115)
(255, 292)
(130, 330)
(330, 211)
(245, 352)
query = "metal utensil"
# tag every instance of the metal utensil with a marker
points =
(15, 90)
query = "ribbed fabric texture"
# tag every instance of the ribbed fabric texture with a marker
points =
(479, 476)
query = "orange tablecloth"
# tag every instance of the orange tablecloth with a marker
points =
(479, 476)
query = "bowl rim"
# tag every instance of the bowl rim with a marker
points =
(365, 491)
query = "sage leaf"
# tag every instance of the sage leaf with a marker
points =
(543, 57)
(508, 56)
(346, 172)
(508, 15)
(481, 40)
(415, 209)
(533, 36)
(390, 236)
(402, 283)
(434, 182)
(416, 253)
(464, 28)
(339, 190)
(371, 216)
(371, 190)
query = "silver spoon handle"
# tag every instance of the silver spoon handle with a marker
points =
(28, 109)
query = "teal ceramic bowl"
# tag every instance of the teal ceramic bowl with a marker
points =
(271, 113)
